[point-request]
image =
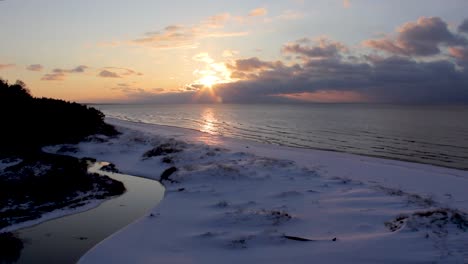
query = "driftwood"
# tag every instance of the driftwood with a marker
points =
(302, 239)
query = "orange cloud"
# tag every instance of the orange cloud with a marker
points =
(258, 12)
(328, 96)
(5, 66)
(186, 36)
(346, 3)
(460, 53)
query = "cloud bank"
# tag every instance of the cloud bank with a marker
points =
(424, 62)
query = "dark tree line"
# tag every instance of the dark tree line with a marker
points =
(28, 123)
(42, 182)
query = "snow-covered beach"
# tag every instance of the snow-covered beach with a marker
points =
(239, 201)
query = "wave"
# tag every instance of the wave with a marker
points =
(426, 143)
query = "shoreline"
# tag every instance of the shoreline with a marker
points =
(295, 147)
(240, 200)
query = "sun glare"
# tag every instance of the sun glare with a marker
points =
(212, 73)
(209, 80)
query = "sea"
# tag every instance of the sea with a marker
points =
(436, 135)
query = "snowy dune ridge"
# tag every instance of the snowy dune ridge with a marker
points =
(233, 201)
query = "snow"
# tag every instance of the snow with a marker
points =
(58, 213)
(86, 202)
(238, 201)
(7, 162)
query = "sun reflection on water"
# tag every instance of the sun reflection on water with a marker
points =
(209, 121)
(209, 127)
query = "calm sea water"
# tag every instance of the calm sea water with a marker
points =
(428, 134)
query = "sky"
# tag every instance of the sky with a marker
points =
(207, 51)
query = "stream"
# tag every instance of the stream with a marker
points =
(66, 239)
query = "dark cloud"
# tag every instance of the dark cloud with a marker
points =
(326, 67)
(35, 67)
(252, 64)
(108, 74)
(115, 72)
(56, 76)
(78, 69)
(463, 26)
(173, 28)
(392, 79)
(324, 48)
(421, 38)
(193, 87)
(59, 74)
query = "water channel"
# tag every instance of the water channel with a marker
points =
(66, 239)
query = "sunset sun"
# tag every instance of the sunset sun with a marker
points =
(209, 81)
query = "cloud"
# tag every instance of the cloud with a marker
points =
(230, 53)
(290, 15)
(212, 72)
(80, 68)
(461, 56)
(258, 12)
(460, 53)
(346, 3)
(129, 90)
(421, 38)
(5, 66)
(134, 93)
(108, 74)
(203, 57)
(327, 96)
(424, 63)
(174, 37)
(217, 21)
(116, 72)
(77, 69)
(186, 36)
(59, 74)
(324, 48)
(35, 67)
(252, 65)
(463, 26)
(392, 79)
